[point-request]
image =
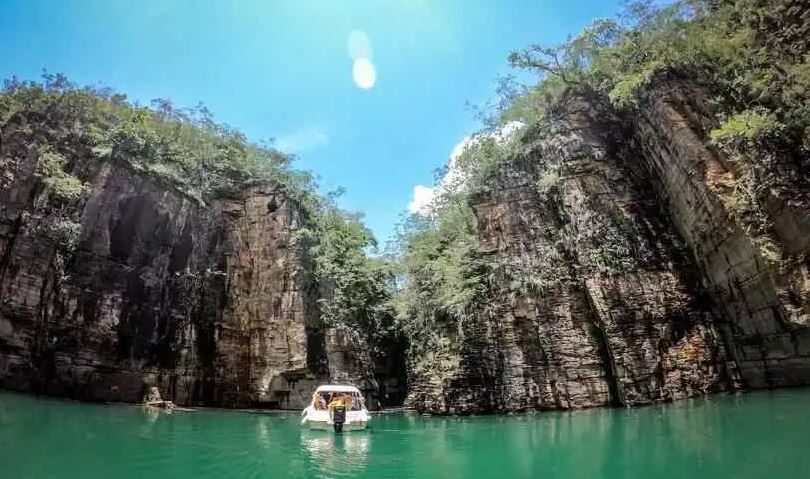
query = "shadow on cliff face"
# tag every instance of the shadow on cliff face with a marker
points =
(390, 371)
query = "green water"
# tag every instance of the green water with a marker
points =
(759, 435)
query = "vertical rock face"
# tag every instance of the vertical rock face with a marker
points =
(142, 285)
(621, 277)
(270, 307)
(759, 281)
(655, 335)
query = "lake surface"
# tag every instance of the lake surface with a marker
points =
(757, 435)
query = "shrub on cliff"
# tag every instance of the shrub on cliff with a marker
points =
(59, 183)
(746, 127)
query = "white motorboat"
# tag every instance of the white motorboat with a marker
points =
(336, 407)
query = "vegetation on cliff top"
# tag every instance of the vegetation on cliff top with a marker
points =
(71, 130)
(751, 55)
(73, 126)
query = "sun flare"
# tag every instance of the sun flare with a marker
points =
(364, 74)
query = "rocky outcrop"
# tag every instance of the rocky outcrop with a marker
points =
(140, 284)
(617, 276)
(759, 281)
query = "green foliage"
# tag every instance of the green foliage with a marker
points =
(548, 180)
(750, 55)
(63, 231)
(741, 49)
(184, 147)
(570, 61)
(747, 125)
(443, 277)
(355, 287)
(60, 184)
(482, 158)
(440, 259)
(516, 104)
(443, 274)
(624, 91)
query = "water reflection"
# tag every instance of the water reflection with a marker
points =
(152, 414)
(336, 454)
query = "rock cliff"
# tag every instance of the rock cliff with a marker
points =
(622, 268)
(617, 253)
(619, 273)
(140, 284)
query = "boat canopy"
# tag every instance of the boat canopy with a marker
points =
(337, 388)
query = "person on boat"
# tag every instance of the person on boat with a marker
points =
(340, 400)
(334, 401)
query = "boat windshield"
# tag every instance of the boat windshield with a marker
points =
(352, 401)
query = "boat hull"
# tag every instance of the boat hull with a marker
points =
(321, 419)
(328, 426)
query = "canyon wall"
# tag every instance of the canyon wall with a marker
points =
(623, 266)
(138, 283)
(758, 278)
(618, 274)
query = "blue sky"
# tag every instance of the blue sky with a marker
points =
(281, 69)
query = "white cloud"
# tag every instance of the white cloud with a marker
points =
(301, 141)
(423, 196)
